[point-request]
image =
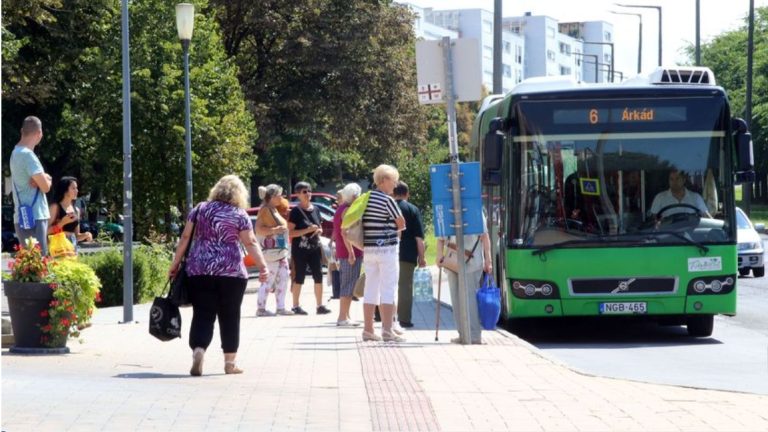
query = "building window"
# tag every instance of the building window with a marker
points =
(551, 32)
(518, 54)
(507, 71)
(487, 26)
(515, 28)
(551, 55)
(507, 47)
(607, 36)
(565, 48)
(607, 58)
(565, 70)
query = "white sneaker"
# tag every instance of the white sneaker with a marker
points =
(285, 312)
(264, 313)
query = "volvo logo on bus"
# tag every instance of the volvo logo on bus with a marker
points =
(623, 286)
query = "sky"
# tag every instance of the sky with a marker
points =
(678, 22)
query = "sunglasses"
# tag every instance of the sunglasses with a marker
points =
(306, 191)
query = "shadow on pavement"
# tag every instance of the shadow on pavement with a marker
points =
(601, 332)
(151, 375)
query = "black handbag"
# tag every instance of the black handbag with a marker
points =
(164, 319)
(179, 293)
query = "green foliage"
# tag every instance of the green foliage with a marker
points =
(726, 55)
(75, 292)
(150, 267)
(331, 83)
(72, 75)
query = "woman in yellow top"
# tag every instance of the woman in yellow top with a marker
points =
(272, 233)
(64, 214)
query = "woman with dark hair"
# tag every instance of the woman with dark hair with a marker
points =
(64, 213)
(304, 230)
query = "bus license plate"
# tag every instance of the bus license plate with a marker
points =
(623, 308)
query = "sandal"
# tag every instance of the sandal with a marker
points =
(370, 337)
(230, 368)
(391, 337)
(197, 362)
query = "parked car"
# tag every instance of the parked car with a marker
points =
(326, 216)
(323, 198)
(9, 232)
(750, 245)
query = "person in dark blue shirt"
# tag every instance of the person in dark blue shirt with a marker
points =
(411, 253)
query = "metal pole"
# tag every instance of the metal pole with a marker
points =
(453, 144)
(659, 9)
(640, 45)
(127, 176)
(497, 63)
(610, 44)
(188, 124)
(747, 188)
(698, 33)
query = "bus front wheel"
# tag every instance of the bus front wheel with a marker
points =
(700, 325)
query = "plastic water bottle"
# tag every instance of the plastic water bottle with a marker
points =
(422, 285)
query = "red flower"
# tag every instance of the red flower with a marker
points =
(54, 286)
(44, 313)
(64, 322)
(98, 297)
(46, 328)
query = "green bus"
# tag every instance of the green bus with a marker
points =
(614, 199)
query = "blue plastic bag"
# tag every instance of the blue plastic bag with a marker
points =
(488, 303)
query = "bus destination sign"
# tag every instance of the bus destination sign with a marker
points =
(634, 114)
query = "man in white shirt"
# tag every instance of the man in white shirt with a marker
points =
(678, 194)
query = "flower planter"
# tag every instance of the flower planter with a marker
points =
(25, 302)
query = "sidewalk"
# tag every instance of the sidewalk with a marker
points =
(304, 373)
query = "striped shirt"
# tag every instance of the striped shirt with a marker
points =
(379, 220)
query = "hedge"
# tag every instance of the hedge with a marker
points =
(150, 268)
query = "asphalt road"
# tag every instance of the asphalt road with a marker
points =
(734, 358)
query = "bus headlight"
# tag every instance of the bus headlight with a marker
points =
(534, 289)
(712, 285)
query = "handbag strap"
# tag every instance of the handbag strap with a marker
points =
(192, 237)
(18, 197)
(472, 252)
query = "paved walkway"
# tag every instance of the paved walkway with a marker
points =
(304, 373)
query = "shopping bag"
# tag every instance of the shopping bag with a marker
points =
(359, 290)
(164, 319)
(59, 245)
(355, 234)
(179, 294)
(488, 302)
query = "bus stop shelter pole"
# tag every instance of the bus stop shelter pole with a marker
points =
(463, 301)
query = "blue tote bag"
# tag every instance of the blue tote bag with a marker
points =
(488, 302)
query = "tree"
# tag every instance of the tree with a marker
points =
(84, 110)
(726, 56)
(329, 81)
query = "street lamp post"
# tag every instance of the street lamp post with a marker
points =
(594, 56)
(698, 33)
(658, 9)
(639, 38)
(127, 173)
(610, 44)
(185, 19)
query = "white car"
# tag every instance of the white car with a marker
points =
(750, 245)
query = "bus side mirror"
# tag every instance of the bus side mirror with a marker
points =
(493, 145)
(745, 158)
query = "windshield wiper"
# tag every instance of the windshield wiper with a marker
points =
(622, 238)
(541, 250)
(690, 241)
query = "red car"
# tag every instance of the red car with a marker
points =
(323, 198)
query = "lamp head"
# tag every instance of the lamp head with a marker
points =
(185, 20)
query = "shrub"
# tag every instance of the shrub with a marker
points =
(150, 267)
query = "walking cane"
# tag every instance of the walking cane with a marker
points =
(437, 313)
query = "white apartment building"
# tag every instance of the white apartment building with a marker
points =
(597, 38)
(478, 24)
(547, 51)
(426, 30)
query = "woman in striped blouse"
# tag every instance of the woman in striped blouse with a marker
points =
(382, 223)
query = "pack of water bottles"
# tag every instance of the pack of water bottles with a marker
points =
(422, 285)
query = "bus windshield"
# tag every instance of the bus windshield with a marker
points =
(641, 171)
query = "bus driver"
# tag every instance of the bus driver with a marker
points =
(678, 194)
